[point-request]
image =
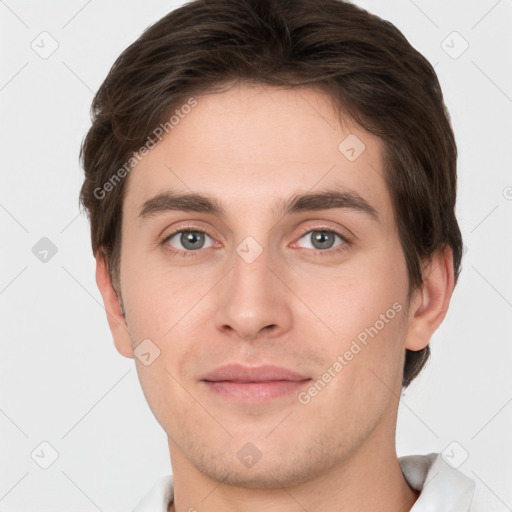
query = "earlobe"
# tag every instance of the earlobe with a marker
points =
(430, 304)
(113, 309)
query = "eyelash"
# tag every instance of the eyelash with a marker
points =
(337, 250)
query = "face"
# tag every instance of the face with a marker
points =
(318, 288)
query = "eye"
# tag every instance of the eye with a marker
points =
(190, 240)
(324, 239)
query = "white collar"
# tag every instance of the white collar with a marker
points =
(442, 487)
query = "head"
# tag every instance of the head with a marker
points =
(250, 104)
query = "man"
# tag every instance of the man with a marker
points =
(271, 187)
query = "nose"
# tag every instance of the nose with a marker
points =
(253, 301)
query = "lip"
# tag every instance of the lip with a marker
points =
(264, 373)
(248, 384)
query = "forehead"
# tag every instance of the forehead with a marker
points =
(255, 146)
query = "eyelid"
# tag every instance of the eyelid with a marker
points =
(186, 225)
(304, 230)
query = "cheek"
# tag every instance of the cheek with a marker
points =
(353, 297)
(361, 313)
(362, 374)
(158, 299)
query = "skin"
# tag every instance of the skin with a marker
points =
(250, 147)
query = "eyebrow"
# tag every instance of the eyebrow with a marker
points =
(309, 201)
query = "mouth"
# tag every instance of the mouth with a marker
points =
(260, 384)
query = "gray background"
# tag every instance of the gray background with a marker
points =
(61, 378)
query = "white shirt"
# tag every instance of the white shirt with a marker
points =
(443, 489)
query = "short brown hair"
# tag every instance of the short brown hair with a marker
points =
(363, 62)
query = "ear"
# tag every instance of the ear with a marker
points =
(116, 319)
(430, 303)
